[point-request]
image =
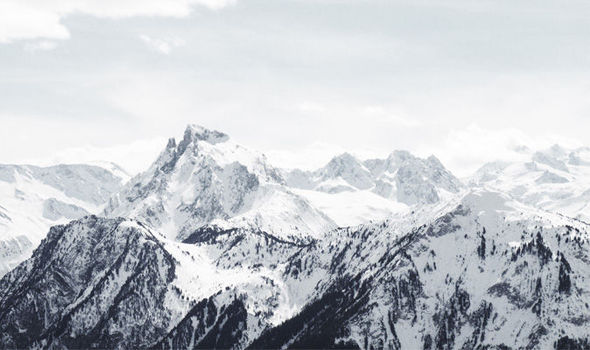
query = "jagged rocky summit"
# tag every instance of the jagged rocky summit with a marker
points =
(208, 180)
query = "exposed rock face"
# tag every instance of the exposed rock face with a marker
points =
(93, 283)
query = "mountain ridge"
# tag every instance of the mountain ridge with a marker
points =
(517, 268)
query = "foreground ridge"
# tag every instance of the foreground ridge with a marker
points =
(478, 271)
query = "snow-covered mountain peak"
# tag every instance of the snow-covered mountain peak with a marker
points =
(555, 179)
(551, 160)
(212, 148)
(208, 179)
(561, 158)
(558, 151)
(397, 157)
(342, 171)
(413, 180)
(349, 189)
(195, 132)
(342, 161)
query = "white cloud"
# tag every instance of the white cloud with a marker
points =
(311, 107)
(32, 19)
(43, 45)
(20, 20)
(134, 157)
(163, 46)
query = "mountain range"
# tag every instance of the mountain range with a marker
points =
(213, 247)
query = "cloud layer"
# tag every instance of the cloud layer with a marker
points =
(34, 19)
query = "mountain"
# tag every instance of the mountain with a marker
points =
(401, 177)
(208, 180)
(114, 283)
(84, 285)
(480, 270)
(352, 191)
(412, 180)
(556, 179)
(34, 198)
(212, 247)
(342, 173)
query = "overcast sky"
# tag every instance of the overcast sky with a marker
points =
(297, 79)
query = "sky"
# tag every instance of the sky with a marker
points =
(300, 80)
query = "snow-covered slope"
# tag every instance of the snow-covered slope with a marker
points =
(34, 198)
(351, 208)
(208, 180)
(556, 179)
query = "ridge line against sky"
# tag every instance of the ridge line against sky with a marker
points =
(297, 79)
(487, 146)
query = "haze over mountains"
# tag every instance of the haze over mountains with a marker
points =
(213, 247)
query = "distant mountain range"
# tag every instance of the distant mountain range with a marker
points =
(32, 199)
(213, 247)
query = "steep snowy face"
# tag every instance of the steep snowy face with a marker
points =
(34, 198)
(483, 272)
(353, 192)
(206, 179)
(556, 179)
